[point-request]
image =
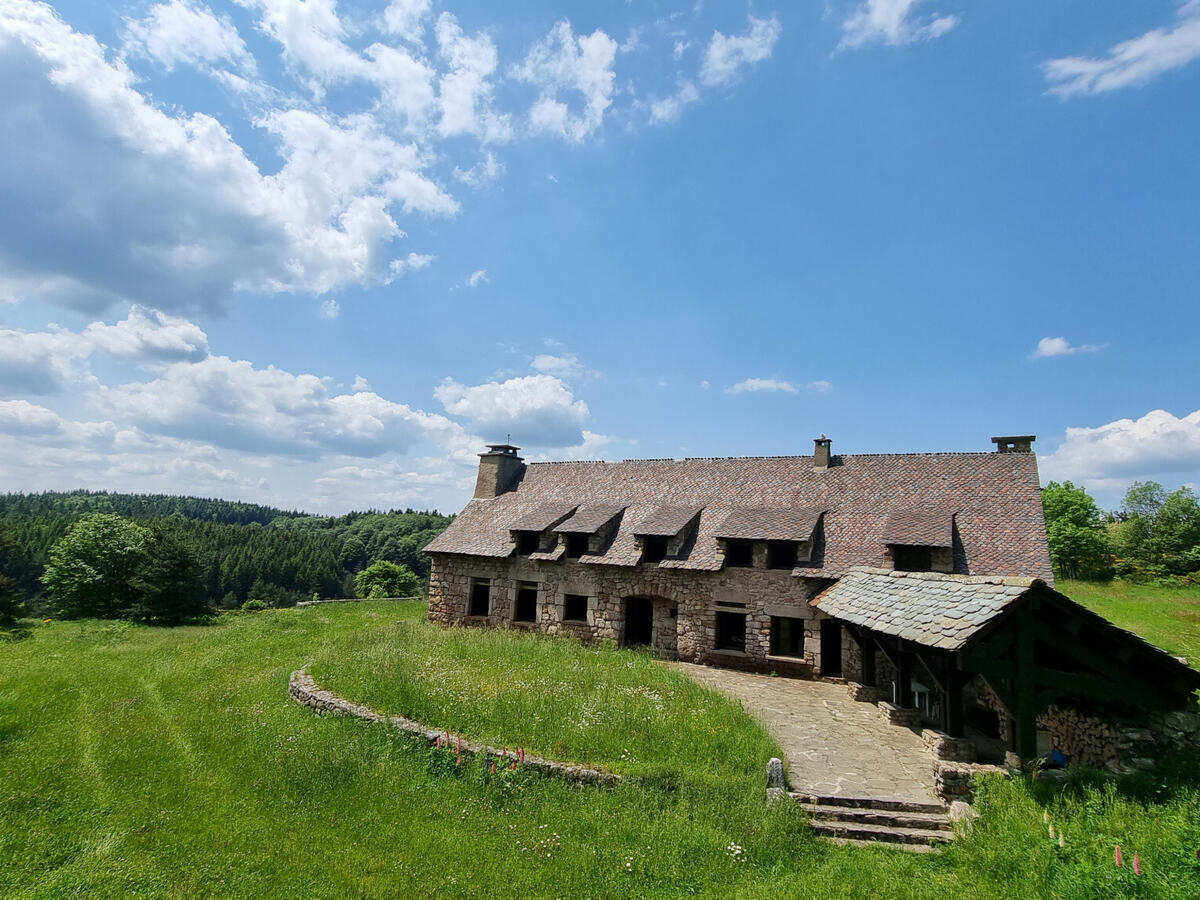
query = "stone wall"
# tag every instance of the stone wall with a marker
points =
(305, 691)
(685, 604)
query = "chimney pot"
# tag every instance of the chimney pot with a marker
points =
(822, 452)
(1019, 443)
(500, 471)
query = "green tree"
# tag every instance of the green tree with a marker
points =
(1079, 546)
(1160, 534)
(386, 579)
(93, 565)
(10, 604)
(169, 585)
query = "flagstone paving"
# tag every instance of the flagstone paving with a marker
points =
(834, 746)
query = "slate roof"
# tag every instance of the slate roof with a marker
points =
(919, 528)
(541, 516)
(758, 524)
(590, 518)
(996, 497)
(929, 608)
(666, 521)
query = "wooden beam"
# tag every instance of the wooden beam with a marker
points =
(904, 696)
(954, 717)
(1026, 697)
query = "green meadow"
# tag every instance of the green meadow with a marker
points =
(152, 762)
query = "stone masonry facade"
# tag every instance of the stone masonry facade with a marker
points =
(685, 605)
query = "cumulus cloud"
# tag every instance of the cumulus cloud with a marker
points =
(1132, 62)
(412, 263)
(465, 89)
(538, 410)
(894, 23)
(329, 309)
(752, 385)
(1110, 457)
(728, 54)
(478, 277)
(487, 169)
(313, 39)
(179, 218)
(1060, 346)
(564, 62)
(565, 365)
(405, 18)
(147, 335)
(185, 31)
(234, 404)
(668, 109)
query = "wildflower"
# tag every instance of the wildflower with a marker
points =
(1061, 842)
(1137, 864)
(1052, 832)
(1046, 817)
(493, 768)
(1117, 857)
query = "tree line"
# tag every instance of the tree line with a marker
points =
(237, 552)
(1154, 536)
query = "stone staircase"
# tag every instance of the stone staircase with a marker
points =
(902, 824)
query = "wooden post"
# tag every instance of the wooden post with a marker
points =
(868, 659)
(1026, 698)
(954, 698)
(904, 697)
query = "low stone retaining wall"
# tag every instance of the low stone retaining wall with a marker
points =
(950, 749)
(956, 780)
(305, 691)
(351, 600)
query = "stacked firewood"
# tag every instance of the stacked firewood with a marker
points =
(1086, 740)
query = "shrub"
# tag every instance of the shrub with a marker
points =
(386, 579)
(254, 606)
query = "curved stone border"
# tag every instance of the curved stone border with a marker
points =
(305, 691)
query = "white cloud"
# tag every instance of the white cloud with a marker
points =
(405, 18)
(819, 387)
(329, 309)
(566, 365)
(727, 54)
(1060, 346)
(1130, 62)
(233, 404)
(312, 37)
(147, 335)
(412, 263)
(22, 417)
(762, 384)
(670, 108)
(478, 277)
(1109, 457)
(537, 410)
(564, 62)
(186, 31)
(487, 169)
(360, 384)
(465, 90)
(892, 22)
(177, 212)
(406, 85)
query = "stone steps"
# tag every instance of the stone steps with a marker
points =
(867, 821)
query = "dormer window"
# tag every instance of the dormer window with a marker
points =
(739, 554)
(912, 559)
(577, 545)
(527, 542)
(654, 548)
(782, 554)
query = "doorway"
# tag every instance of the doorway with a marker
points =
(639, 621)
(831, 647)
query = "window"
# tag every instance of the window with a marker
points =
(912, 559)
(654, 548)
(481, 597)
(577, 545)
(527, 542)
(731, 631)
(739, 554)
(526, 609)
(787, 636)
(781, 555)
(574, 608)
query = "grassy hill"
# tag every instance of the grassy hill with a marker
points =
(151, 762)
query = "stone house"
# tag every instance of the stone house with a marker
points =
(925, 576)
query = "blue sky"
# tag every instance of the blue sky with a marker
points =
(314, 253)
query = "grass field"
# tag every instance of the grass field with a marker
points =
(142, 761)
(1166, 616)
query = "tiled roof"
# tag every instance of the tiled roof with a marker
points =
(996, 497)
(919, 528)
(666, 521)
(760, 524)
(929, 608)
(541, 516)
(590, 518)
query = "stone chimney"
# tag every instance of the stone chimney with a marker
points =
(1020, 443)
(500, 470)
(822, 454)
